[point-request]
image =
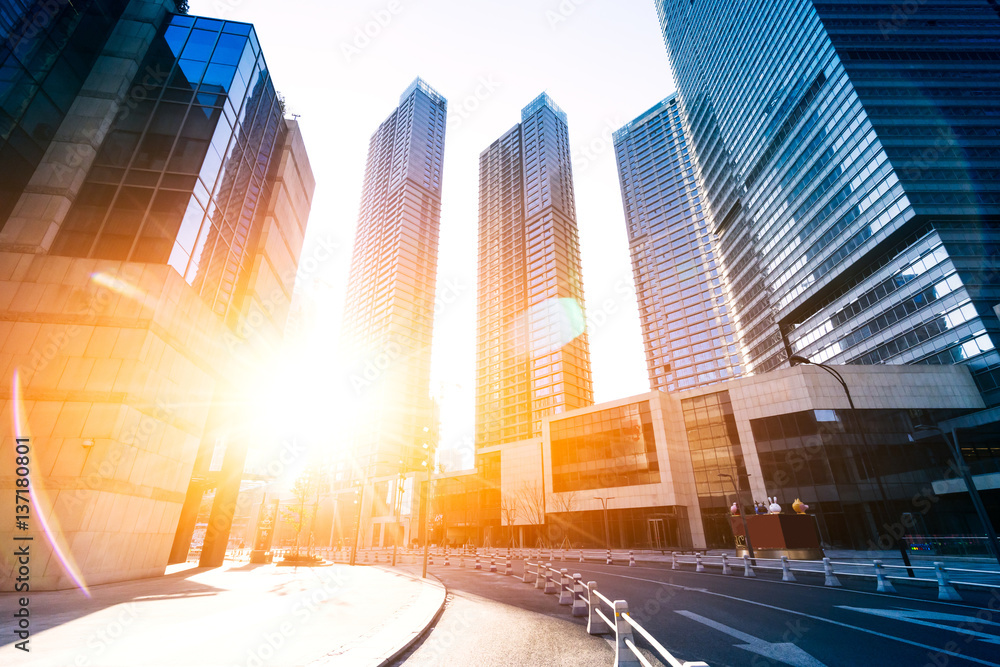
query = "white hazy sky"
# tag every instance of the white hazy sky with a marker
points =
(343, 64)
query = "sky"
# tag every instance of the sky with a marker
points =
(342, 66)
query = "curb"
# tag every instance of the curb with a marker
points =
(431, 621)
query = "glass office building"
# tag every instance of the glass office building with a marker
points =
(185, 173)
(532, 353)
(390, 295)
(848, 155)
(154, 200)
(686, 331)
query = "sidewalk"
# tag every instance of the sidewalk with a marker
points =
(247, 615)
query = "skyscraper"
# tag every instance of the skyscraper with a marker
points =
(532, 354)
(152, 209)
(848, 157)
(686, 331)
(390, 295)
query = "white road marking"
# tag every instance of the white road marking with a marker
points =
(815, 618)
(785, 652)
(924, 617)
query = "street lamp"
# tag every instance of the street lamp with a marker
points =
(739, 504)
(795, 360)
(607, 533)
(977, 501)
(427, 462)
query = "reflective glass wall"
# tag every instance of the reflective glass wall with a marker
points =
(185, 174)
(604, 448)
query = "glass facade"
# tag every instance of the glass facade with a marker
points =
(389, 314)
(848, 157)
(47, 50)
(533, 357)
(604, 448)
(686, 331)
(821, 457)
(714, 442)
(185, 173)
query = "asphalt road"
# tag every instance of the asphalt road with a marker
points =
(731, 620)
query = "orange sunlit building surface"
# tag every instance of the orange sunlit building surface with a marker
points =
(154, 205)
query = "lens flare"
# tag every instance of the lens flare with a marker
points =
(39, 498)
(118, 285)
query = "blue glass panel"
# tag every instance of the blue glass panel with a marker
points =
(229, 49)
(209, 24)
(181, 20)
(237, 28)
(247, 63)
(200, 44)
(191, 71)
(220, 76)
(176, 36)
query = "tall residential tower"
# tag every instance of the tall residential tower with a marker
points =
(849, 159)
(533, 358)
(686, 331)
(390, 296)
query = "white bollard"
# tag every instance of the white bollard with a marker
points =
(673, 560)
(595, 624)
(747, 570)
(565, 587)
(884, 585)
(579, 602)
(446, 562)
(725, 564)
(623, 632)
(528, 573)
(562, 554)
(609, 560)
(507, 568)
(945, 590)
(493, 563)
(550, 584)
(581, 555)
(829, 578)
(698, 565)
(631, 559)
(479, 565)
(786, 570)
(539, 574)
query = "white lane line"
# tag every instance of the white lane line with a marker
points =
(786, 652)
(924, 617)
(815, 618)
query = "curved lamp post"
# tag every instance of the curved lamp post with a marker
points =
(795, 360)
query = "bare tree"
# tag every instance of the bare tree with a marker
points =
(533, 500)
(564, 502)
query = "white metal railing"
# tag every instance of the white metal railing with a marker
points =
(621, 625)
(832, 570)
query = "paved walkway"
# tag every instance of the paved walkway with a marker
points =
(246, 615)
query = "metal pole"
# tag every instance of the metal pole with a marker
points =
(357, 524)
(427, 518)
(977, 501)
(866, 445)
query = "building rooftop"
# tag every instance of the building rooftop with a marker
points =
(542, 100)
